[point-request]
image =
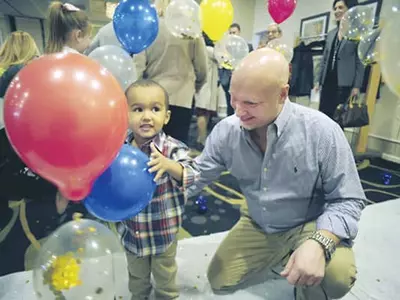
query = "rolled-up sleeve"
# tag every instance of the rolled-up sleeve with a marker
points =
(210, 161)
(191, 172)
(341, 185)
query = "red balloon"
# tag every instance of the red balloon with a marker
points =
(280, 10)
(66, 117)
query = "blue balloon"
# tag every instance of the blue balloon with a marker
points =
(135, 24)
(124, 189)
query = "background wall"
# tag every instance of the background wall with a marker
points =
(385, 124)
(253, 17)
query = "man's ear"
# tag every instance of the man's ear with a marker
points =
(167, 117)
(284, 93)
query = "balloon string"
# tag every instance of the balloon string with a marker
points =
(25, 226)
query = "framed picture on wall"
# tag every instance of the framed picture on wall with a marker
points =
(315, 27)
(373, 9)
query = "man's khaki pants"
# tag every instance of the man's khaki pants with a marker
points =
(247, 250)
(164, 270)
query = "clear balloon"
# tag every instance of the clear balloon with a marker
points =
(76, 262)
(183, 19)
(390, 54)
(231, 50)
(280, 10)
(118, 62)
(66, 117)
(368, 49)
(217, 16)
(124, 189)
(279, 46)
(357, 22)
(135, 24)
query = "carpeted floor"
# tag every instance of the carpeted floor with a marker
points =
(33, 221)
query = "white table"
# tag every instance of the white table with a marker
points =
(377, 247)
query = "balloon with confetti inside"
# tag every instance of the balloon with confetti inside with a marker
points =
(76, 262)
(367, 48)
(357, 22)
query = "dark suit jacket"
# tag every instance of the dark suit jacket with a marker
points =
(350, 69)
(302, 78)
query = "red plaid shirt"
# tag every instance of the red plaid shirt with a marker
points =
(153, 230)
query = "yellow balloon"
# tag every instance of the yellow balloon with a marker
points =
(217, 16)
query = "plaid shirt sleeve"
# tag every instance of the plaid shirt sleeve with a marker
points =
(191, 172)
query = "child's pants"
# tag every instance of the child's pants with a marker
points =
(164, 270)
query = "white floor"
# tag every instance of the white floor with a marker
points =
(377, 248)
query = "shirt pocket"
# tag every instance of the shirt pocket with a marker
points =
(246, 169)
(302, 174)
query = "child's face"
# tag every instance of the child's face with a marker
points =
(148, 113)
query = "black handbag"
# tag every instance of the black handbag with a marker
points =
(352, 114)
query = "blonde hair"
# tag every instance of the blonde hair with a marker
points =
(61, 22)
(19, 48)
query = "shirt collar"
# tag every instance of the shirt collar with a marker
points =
(158, 141)
(282, 120)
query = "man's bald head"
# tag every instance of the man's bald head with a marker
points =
(261, 80)
(265, 66)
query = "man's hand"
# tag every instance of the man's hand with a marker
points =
(158, 163)
(306, 266)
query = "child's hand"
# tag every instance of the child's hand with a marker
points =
(158, 162)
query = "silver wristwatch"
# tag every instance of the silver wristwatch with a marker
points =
(328, 244)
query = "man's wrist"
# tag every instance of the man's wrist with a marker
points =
(330, 235)
(327, 243)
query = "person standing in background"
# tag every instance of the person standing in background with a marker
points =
(341, 72)
(207, 99)
(273, 32)
(225, 71)
(180, 66)
(18, 50)
(106, 35)
(69, 29)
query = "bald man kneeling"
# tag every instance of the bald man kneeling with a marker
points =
(303, 193)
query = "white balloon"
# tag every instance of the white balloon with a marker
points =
(118, 62)
(282, 48)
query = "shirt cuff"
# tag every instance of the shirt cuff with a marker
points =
(343, 227)
(188, 178)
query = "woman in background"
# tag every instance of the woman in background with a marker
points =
(16, 181)
(341, 71)
(180, 66)
(69, 29)
(18, 50)
(207, 99)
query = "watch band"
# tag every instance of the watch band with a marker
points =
(328, 244)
